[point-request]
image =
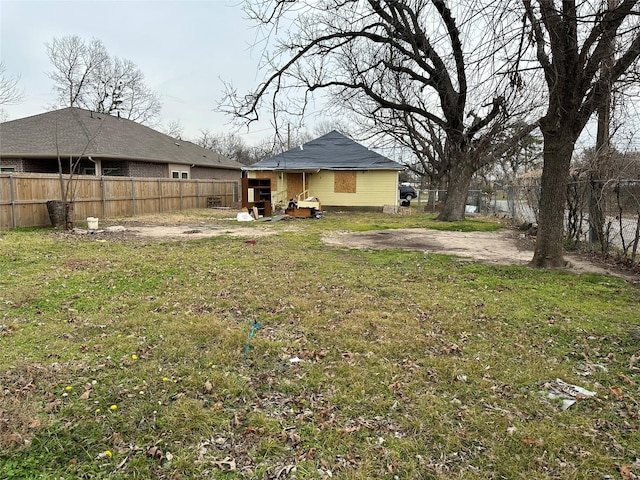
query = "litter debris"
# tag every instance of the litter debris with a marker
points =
(470, 209)
(254, 327)
(569, 394)
(244, 217)
(310, 207)
(294, 360)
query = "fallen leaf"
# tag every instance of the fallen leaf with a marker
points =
(154, 452)
(14, 438)
(208, 387)
(85, 395)
(626, 379)
(351, 429)
(616, 392)
(284, 471)
(625, 472)
(452, 348)
(532, 442)
(34, 423)
(117, 439)
(227, 463)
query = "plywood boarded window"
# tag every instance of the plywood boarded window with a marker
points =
(344, 182)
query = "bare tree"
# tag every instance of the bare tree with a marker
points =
(571, 41)
(74, 62)
(174, 129)
(229, 145)
(10, 93)
(325, 126)
(524, 156)
(69, 184)
(401, 64)
(86, 76)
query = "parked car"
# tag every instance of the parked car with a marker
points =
(408, 192)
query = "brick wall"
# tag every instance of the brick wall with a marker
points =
(148, 170)
(15, 163)
(124, 168)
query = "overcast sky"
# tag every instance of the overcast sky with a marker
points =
(186, 49)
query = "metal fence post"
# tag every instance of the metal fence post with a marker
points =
(133, 197)
(511, 201)
(14, 219)
(104, 197)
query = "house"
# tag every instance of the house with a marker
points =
(105, 145)
(336, 170)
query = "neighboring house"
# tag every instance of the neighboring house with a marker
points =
(529, 179)
(105, 145)
(333, 168)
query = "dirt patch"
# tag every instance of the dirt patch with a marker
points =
(137, 231)
(190, 232)
(504, 247)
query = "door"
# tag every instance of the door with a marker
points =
(294, 185)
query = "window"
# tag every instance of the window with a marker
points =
(179, 174)
(89, 171)
(7, 169)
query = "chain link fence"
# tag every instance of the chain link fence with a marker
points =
(431, 201)
(605, 215)
(599, 215)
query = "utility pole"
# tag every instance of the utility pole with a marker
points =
(603, 150)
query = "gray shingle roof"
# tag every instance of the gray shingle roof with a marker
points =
(100, 135)
(332, 151)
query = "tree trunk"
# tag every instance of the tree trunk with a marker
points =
(558, 148)
(596, 212)
(458, 181)
(60, 214)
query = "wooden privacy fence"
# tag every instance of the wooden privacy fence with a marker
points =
(24, 196)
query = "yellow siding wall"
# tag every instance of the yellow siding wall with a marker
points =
(373, 189)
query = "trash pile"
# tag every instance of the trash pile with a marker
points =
(569, 394)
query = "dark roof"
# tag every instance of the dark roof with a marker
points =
(332, 151)
(82, 132)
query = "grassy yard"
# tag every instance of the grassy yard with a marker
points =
(217, 358)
